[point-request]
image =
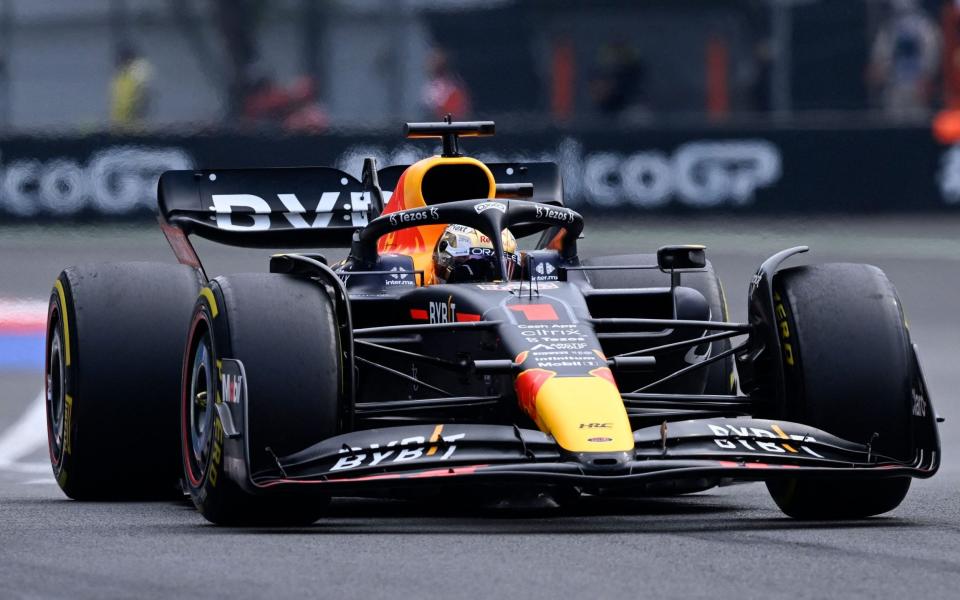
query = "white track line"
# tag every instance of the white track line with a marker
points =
(30, 468)
(25, 436)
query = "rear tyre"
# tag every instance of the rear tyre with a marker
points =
(720, 375)
(284, 331)
(113, 348)
(849, 371)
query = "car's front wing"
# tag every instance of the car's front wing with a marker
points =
(378, 461)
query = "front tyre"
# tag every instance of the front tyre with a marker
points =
(849, 370)
(284, 331)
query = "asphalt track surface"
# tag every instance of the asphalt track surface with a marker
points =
(731, 542)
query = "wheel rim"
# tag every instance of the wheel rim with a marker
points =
(201, 399)
(56, 394)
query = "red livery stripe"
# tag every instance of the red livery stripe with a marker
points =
(444, 472)
(536, 312)
(528, 384)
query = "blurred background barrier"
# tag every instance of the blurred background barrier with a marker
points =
(763, 170)
(650, 106)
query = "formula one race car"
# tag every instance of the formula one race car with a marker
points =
(437, 357)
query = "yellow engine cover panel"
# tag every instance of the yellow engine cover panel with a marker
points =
(584, 414)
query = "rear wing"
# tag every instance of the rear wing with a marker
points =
(298, 207)
(304, 207)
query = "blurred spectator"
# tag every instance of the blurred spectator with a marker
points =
(237, 23)
(619, 87)
(305, 114)
(904, 60)
(444, 92)
(265, 102)
(760, 99)
(130, 89)
(296, 108)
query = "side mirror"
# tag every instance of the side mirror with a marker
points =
(681, 258)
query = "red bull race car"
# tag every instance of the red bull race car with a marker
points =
(438, 357)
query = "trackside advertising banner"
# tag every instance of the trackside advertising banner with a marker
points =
(764, 171)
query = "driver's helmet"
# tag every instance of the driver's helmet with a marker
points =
(463, 254)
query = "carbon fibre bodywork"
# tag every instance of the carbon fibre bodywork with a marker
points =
(513, 380)
(473, 438)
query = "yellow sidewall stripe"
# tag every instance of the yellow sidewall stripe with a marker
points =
(208, 294)
(63, 320)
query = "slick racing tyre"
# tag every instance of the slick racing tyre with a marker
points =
(115, 336)
(849, 371)
(284, 331)
(720, 375)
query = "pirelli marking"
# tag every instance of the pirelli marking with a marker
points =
(781, 313)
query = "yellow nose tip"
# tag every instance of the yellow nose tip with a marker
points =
(584, 414)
